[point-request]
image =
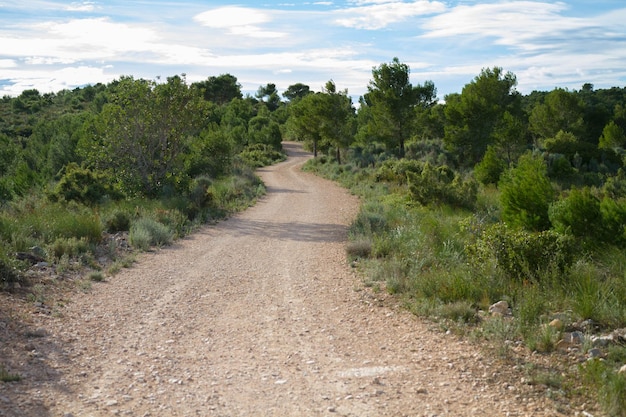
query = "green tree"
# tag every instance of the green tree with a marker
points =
(561, 110)
(489, 170)
(392, 100)
(142, 134)
(305, 120)
(296, 91)
(268, 94)
(220, 90)
(612, 136)
(488, 111)
(526, 193)
(262, 129)
(337, 127)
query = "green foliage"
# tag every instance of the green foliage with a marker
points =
(489, 170)
(117, 221)
(69, 246)
(6, 376)
(526, 194)
(612, 136)
(441, 185)
(476, 117)
(82, 185)
(396, 170)
(146, 232)
(523, 255)
(578, 214)
(391, 100)
(260, 155)
(608, 383)
(9, 274)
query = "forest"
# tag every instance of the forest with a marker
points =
(480, 196)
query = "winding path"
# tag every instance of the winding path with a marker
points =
(258, 316)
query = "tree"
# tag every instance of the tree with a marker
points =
(219, 90)
(262, 129)
(268, 94)
(142, 134)
(476, 117)
(612, 136)
(324, 119)
(526, 194)
(392, 100)
(296, 91)
(305, 119)
(561, 110)
(337, 121)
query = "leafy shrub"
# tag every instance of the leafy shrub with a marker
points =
(147, 232)
(260, 154)
(520, 254)
(118, 221)
(358, 249)
(82, 185)
(395, 170)
(9, 275)
(489, 170)
(526, 194)
(441, 185)
(578, 214)
(370, 220)
(613, 214)
(71, 247)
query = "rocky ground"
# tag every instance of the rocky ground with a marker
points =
(259, 315)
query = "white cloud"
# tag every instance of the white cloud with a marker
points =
(374, 15)
(47, 81)
(7, 63)
(237, 20)
(86, 6)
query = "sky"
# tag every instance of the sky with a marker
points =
(53, 45)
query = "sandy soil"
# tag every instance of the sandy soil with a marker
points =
(259, 315)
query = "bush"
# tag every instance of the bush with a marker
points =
(147, 232)
(578, 214)
(489, 170)
(82, 185)
(526, 194)
(9, 275)
(117, 221)
(441, 185)
(520, 254)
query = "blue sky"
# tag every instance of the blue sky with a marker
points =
(52, 45)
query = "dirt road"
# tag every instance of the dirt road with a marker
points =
(257, 316)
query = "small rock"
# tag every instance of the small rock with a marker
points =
(111, 403)
(594, 353)
(574, 338)
(602, 341)
(501, 308)
(556, 324)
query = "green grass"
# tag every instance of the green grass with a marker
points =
(423, 254)
(6, 376)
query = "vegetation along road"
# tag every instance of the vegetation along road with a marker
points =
(260, 315)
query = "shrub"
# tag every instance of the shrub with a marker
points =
(9, 275)
(520, 254)
(71, 247)
(147, 232)
(526, 194)
(117, 221)
(82, 185)
(360, 248)
(578, 214)
(489, 170)
(441, 185)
